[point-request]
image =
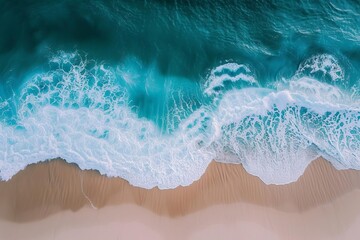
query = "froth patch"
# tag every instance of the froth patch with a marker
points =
(323, 66)
(80, 110)
(262, 133)
(276, 141)
(116, 145)
(73, 82)
(229, 75)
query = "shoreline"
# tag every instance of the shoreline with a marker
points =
(58, 190)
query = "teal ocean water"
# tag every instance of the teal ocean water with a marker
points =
(153, 91)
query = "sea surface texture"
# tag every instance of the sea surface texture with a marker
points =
(153, 91)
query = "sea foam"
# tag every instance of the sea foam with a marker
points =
(83, 111)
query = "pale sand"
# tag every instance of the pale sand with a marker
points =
(55, 200)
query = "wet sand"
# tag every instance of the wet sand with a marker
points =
(57, 200)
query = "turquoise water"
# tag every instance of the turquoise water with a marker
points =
(152, 91)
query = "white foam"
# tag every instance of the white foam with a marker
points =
(265, 140)
(116, 145)
(104, 135)
(276, 141)
(80, 111)
(268, 132)
(228, 72)
(322, 96)
(325, 64)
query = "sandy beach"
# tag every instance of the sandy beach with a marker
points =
(57, 200)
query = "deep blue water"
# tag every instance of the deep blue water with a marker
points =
(152, 91)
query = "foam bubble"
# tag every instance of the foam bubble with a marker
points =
(336, 134)
(322, 96)
(239, 74)
(116, 145)
(276, 143)
(262, 134)
(276, 133)
(321, 66)
(81, 111)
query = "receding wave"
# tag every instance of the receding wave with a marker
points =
(91, 113)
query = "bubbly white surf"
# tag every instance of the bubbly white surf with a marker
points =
(81, 111)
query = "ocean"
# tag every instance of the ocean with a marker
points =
(153, 91)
